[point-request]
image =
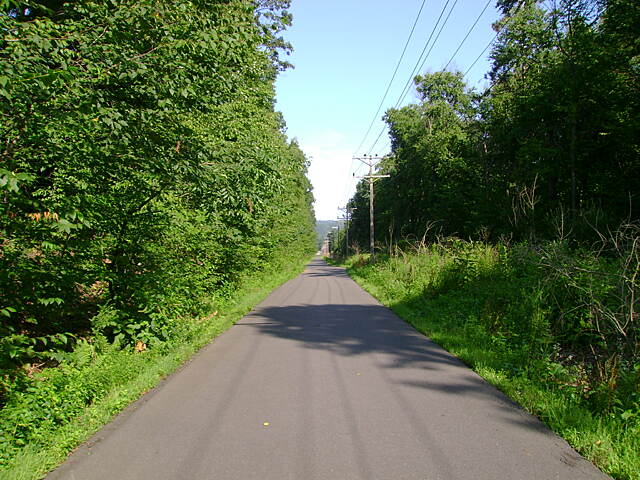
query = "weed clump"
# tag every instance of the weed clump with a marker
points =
(555, 328)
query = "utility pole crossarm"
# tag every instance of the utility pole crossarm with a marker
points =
(370, 162)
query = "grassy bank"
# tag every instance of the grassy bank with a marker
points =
(56, 409)
(527, 330)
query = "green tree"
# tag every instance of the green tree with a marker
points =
(143, 166)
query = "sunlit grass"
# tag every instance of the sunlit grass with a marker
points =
(465, 300)
(140, 373)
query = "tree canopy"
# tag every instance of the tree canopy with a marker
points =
(550, 148)
(144, 169)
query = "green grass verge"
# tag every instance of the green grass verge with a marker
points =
(455, 312)
(125, 376)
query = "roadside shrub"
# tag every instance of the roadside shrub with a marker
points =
(569, 314)
(551, 326)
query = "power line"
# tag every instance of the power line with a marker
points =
(403, 94)
(405, 90)
(481, 54)
(375, 116)
(349, 180)
(419, 63)
(435, 41)
(504, 25)
(384, 127)
(467, 35)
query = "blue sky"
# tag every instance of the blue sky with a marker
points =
(345, 53)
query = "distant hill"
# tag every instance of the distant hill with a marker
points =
(323, 227)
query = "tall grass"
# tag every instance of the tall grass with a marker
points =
(50, 412)
(511, 314)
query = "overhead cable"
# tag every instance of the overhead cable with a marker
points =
(375, 116)
(467, 35)
(481, 54)
(435, 41)
(416, 66)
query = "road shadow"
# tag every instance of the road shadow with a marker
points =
(319, 268)
(351, 330)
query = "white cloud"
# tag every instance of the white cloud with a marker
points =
(330, 171)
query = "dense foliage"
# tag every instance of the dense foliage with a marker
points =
(144, 170)
(548, 159)
(496, 309)
(551, 148)
(549, 152)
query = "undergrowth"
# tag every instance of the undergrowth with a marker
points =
(561, 347)
(48, 413)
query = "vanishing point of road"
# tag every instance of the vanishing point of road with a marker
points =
(320, 381)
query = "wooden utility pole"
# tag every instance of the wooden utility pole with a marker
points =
(347, 215)
(370, 161)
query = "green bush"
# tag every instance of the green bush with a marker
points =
(517, 318)
(49, 412)
(145, 170)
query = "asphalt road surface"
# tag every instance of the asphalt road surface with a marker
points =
(320, 381)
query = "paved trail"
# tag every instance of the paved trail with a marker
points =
(322, 382)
